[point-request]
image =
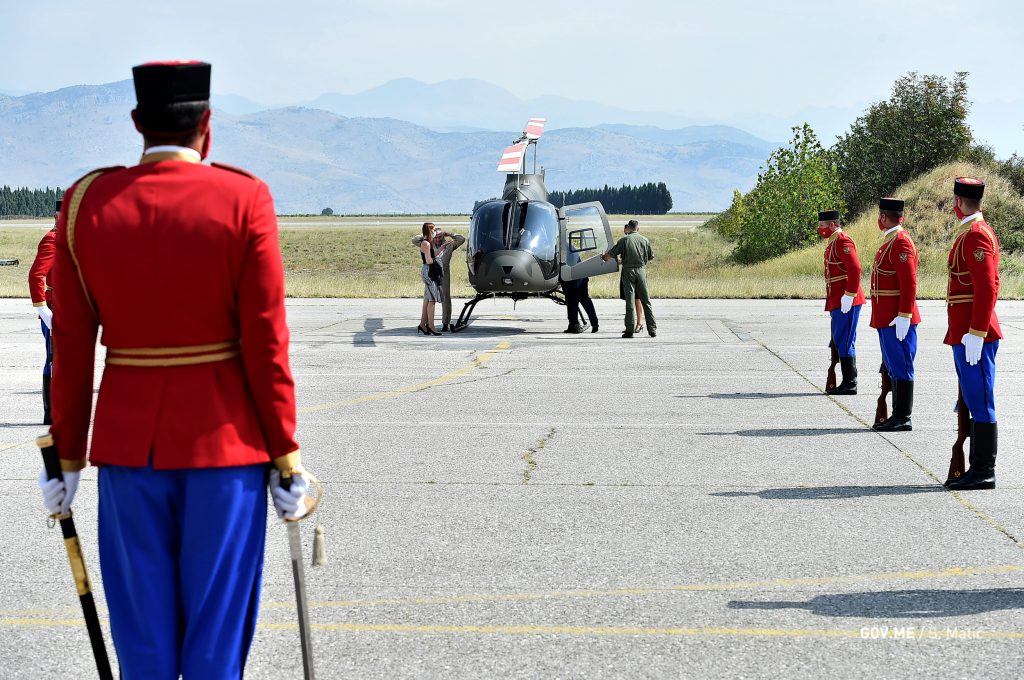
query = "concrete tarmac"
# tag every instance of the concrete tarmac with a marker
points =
(511, 501)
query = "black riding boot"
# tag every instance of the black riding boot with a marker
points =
(902, 407)
(848, 366)
(47, 420)
(982, 473)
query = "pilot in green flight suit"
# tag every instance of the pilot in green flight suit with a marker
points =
(636, 252)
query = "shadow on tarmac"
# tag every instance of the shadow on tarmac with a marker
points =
(373, 328)
(750, 395)
(790, 432)
(819, 493)
(901, 603)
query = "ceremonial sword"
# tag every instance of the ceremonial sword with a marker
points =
(67, 525)
(299, 574)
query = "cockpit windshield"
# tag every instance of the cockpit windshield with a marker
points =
(506, 225)
(487, 231)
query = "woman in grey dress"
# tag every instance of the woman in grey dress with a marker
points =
(431, 289)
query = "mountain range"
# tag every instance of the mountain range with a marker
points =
(403, 147)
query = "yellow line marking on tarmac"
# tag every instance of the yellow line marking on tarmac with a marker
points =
(5, 447)
(917, 575)
(906, 454)
(478, 361)
(914, 633)
(629, 631)
(914, 575)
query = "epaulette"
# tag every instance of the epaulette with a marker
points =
(100, 171)
(240, 171)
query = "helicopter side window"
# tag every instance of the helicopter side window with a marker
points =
(582, 240)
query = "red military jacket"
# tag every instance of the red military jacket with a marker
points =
(39, 288)
(894, 280)
(973, 283)
(180, 264)
(842, 271)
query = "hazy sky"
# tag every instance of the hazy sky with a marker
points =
(718, 59)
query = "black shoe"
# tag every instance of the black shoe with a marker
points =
(652, 333)
(593, 327)
(573, 328)
(848, 365)
(432, 331)
(982, 473)
(446, 328)
(421, 329)
(902, 407)
(627, 334)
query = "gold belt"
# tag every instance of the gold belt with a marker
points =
(957, 299)
(187, 355)
(836, 278)
(885, 293)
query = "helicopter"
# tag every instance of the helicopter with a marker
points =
(521, 246)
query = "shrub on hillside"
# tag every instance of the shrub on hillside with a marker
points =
(781, 212)
(929, 209)
(1012, 170)
(921, 126)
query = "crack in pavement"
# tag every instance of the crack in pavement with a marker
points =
(528, 455)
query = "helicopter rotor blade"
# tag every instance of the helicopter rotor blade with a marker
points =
(512, 158)
(534, 128)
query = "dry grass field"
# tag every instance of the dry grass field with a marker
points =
(372, 257)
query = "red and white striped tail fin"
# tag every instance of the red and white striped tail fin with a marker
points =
(512, 158)
(534, 128)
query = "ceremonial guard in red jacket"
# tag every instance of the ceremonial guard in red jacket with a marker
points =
(180, 265)
(41, 292)
(843, 296)
(894, 312)
(974, 331)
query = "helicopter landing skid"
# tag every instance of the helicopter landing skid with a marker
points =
(467, 309)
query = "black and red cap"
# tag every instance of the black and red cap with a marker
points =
(159, 83)
(828, 216)
(890, 204)
(969, 187)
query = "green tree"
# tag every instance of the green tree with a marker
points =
(781, 212)
(922, 125)
(327, 211)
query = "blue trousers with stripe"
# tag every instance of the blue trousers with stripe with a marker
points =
(978, 382)
(898, 356)
(181, 553)
(844, 331)
(48, 366)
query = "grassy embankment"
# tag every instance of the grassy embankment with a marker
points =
(373, 257)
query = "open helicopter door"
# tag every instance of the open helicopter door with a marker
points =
(585, 235)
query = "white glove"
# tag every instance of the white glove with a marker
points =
(846, 304)
(972, 346)
(902, 324)
(57, 495)
(46, 315)
(290, 503)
